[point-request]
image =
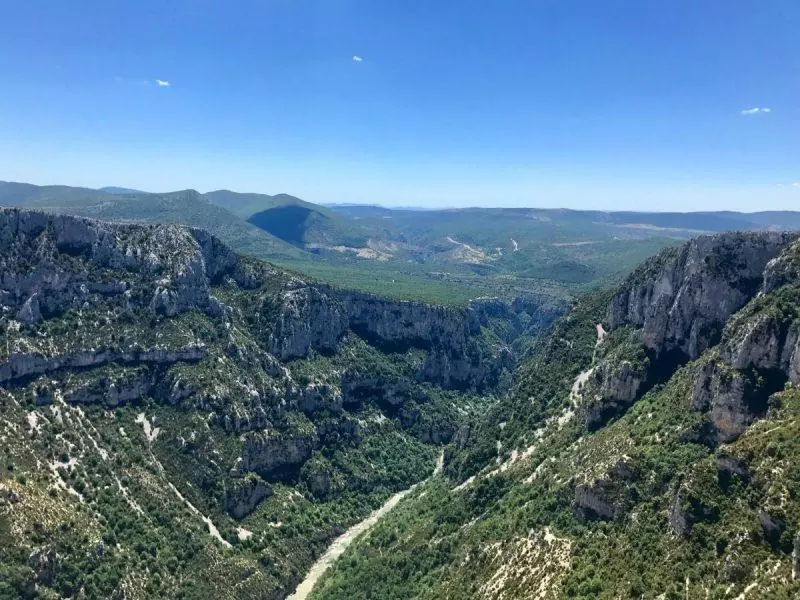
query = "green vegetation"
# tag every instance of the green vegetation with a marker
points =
(190, 438)
(531, 505)
(164, 451)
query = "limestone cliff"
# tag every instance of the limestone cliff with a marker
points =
(676, 307)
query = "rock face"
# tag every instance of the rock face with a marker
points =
(773, 527)
(605, 499)
(730, 467)
(25, 365)
(591, 503)
(318, 317)
(180, 260)
(245, 494)
(309, 318)
(454, 360)
(758, 355)
(319, 480)
(677, 306)
(113, 392)
(44, 563)
(782, 270)
(681, 299)
(268, 454)
(615, 387)
(796, 558)
(686, 510)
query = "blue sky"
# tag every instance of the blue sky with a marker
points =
(585, 104)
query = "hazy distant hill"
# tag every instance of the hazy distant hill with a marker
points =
(29, 195)
(185, 207)
(291, 219)
(246, 205)
(120, 190)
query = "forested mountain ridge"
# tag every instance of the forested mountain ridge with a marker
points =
(649, 450)
(437, 256)
(330, 247)
(184, 207)
(182, 421)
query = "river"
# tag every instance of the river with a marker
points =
(340, 544)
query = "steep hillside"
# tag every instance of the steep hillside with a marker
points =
(311, 228)
(291, 219)
(246, 205)
(181, 421)
(648, 450)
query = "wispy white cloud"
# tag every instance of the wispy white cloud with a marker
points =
(136, 81)
(358, 58)
(796, 184)
(756, 111)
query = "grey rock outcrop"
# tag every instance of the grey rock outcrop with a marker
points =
(730, 399)
(782, 270)
(113, 392)
(454, 358)
(317, 318)
(268, 453)
(796, 558)
(309, 317)
(612, 388)
(686, 510)
(591, 502)
(681, 299)
(759, 353)
(44, 563)
(607, 498)
(677, 305)
(245, 494)
(318, 479)
(317, 396)
(25, 365)
(730, 467)
(772, 526)
(30, 311)
(180, 260)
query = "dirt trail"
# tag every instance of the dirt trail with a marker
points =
(340, 544)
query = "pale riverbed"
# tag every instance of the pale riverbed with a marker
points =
(340, 544)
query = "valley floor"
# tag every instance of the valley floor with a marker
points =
(340, 544)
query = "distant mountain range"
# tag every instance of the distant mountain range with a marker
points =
(436, 255)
